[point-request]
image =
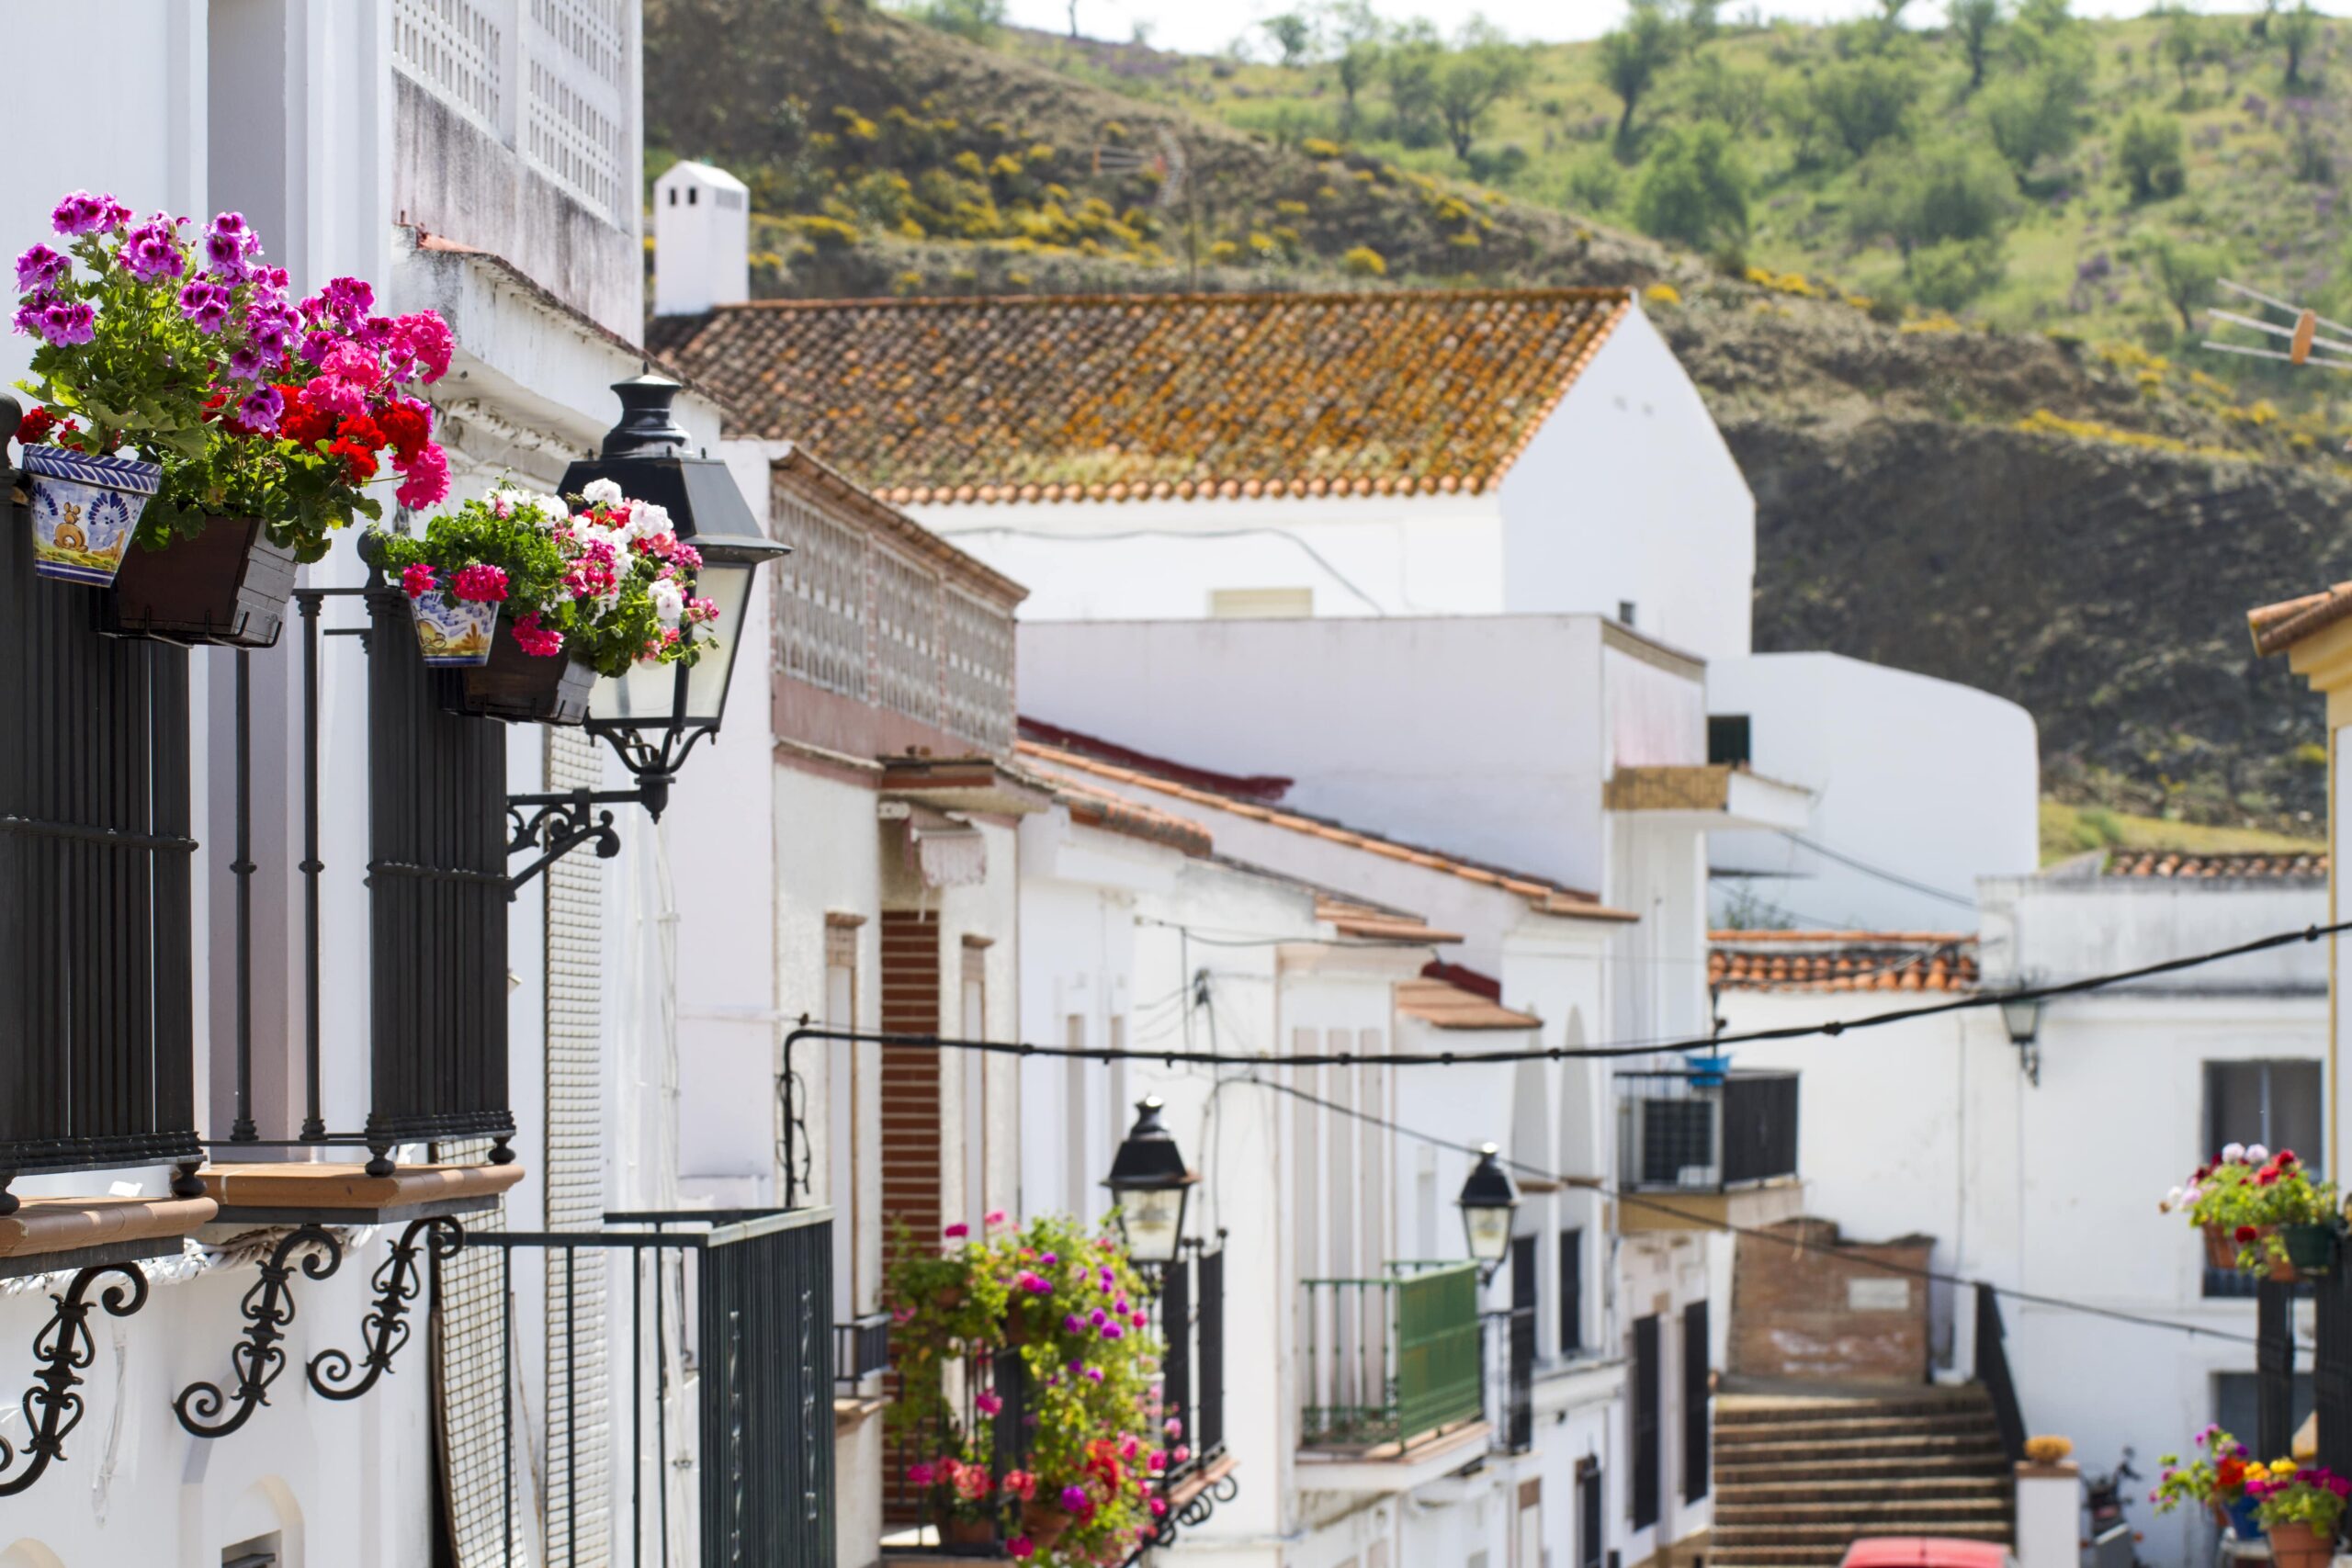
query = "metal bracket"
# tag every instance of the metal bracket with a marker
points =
(398, 1283)
(558, 824)
(65, 1349)
(269, 1307)
(1191, 1515)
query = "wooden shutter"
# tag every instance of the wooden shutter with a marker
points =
(1647, 1435)
(1695, 1433)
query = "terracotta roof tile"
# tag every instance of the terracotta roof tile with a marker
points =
(1105, 396)
(1449, 1006)
(2289, 866)
(2278, 627)
(1098, 808)
(1369, 922)
(1841, 960)
(1550, 899)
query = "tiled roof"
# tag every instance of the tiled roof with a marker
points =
(1098, 808)
(1450, 1007)
(1547, 896)
(1117, 398)
(1841, 960)
(1369, 922)
(2278, 627)
(2287, 867)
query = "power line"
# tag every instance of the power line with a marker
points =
(1867, 869)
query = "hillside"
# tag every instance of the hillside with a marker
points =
(2077, 523)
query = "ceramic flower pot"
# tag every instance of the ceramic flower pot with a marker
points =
(2237, 1515)
(2300, 1546)
(83, 508)
(2311, 1250)
(226, 587)
(954, 1531)
(453, 633)
(525, 688)
(2220, 1250)
(1045, 1523)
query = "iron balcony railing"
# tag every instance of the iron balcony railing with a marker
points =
(1693, 1131)
(1510, 1379)
(1388, 1361)
(861, 1351)
(718, 1370)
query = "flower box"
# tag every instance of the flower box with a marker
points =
(2260, 1212)
(84, 509)
(525, 688)
(225, 587)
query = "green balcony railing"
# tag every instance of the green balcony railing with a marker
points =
(1388, 1361)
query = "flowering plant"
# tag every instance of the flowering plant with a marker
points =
(612, 582)
(1086, 1489)
(189, 349)
(2216, 1478)
(2246, 1193)
(2289, 1494)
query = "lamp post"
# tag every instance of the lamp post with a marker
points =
(654, 716)
(1149, 1178)
(1487, 1201)
(2021, 1016)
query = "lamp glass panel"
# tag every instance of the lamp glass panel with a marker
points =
(1153, 1219)
(1488, 1231)
(647, 696)
(730, 587)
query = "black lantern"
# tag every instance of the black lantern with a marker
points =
(2021, 1016)
(1149, 1178)
(653, 716)
(1487, 1201)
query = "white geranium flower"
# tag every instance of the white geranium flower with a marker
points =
(669, 602)
(2232, 1153)
(647, 519)
(602, 492)
(2257, 1154)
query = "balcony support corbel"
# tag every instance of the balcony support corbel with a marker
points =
(268, 1308)
(560, 823)
(65, 1350)
(386, 1330)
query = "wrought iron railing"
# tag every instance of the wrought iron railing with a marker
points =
(95, 848)
(861, 1351)
(1388, 1361)
(1701, 1133)
(1993, 1371)
(2332, 1367)
(1510, 1379)
(727, 1382)
(2274, 1365)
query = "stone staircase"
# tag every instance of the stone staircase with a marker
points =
(1799, 1476)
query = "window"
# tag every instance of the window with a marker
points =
(2237, 1396)
(1522, 1273)
(1572, 1292)
(1590, 1539)
(1648, 1395)
(1695, 1434)
(1625, 611)
(1260, 603)
(1727, 739)
(2273, 1103)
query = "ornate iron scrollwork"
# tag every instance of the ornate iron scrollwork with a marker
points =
(269, 1307)
(65, 1350)
(558, 824)
(1195, 1513)
(398, 1284)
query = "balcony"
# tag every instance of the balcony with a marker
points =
(1391, 1375)
(1698, 1150)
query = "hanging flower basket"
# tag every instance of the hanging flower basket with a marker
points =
(525, 688)
(2221, 1252)
(2310, 1251)
(2248, 1203)
(225, 587)
(84, 508)
(1046, 1523)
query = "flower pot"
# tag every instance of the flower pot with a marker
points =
(2300, 1546)
(525, 688)
(2238, 1516)
(1045, 1523)
(2311, 1249)
(2221, 1252)
(954, 1531)
(226, 587)
(453, 633)
(83, 508)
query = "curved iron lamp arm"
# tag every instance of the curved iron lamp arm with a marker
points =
(268, 1308)
(398, 1283)
(65, 1350)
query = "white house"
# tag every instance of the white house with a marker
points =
(2038, 1167)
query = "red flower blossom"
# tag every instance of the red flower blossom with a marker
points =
(2245, 1233)
(34, 428)
(361, 431)
(301, 423)
(407, 426)
(358, 462)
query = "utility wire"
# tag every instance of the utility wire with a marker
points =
(1867, 869)
(1831, 1028)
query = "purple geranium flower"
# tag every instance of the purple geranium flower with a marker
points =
(261, 409)
(69, 324)
(150, 252)
(206, 304)
(79, 212)
(38, 267)
(1074, 1499)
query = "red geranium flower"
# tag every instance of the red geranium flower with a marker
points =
(34, 428)
(361, 431)
(301, 423)
(358, 462)
(2246, 1233)
(406, 427)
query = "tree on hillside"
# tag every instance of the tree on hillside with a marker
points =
(1972, 23)
(1693, 189)
(1700, 21)
(1356, 34)
(2185, 45)
(2295, 32)
(976, 19)
(1411, 66)
(2180, 274)
(2035, 110)
(1864, 100)
(1950, 192)
(2149, 148)
(1738, 98)
(1294, 35)
(1484, 69)
(1631, 57)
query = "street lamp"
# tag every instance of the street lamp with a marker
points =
(653, 716)
(2021, 1016)
(1487, 1200)
(1149, 1178)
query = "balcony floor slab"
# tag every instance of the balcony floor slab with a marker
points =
(1390, 1468)
(51, 1234)
(297, 1192)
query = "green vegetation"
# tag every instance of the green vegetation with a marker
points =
(2076, 829)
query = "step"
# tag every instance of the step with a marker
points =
(1908, 1482)
(1735, 1410)
(1884, 1515)
(1794, 1478)
(1969, 1445)
(1732, 1537)
(1748, 1433)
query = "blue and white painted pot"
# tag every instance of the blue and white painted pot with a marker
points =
(454, 633)
(84, 511)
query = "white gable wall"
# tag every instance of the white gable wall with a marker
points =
(1627, 493)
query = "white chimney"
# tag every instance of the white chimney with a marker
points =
(702, 240)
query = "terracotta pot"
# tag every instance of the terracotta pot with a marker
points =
(1045, 1523)
(2220, 1250)
(2300, 1546)
(83, 510)
(525, 688)
(953, 1531)
(226, 587)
